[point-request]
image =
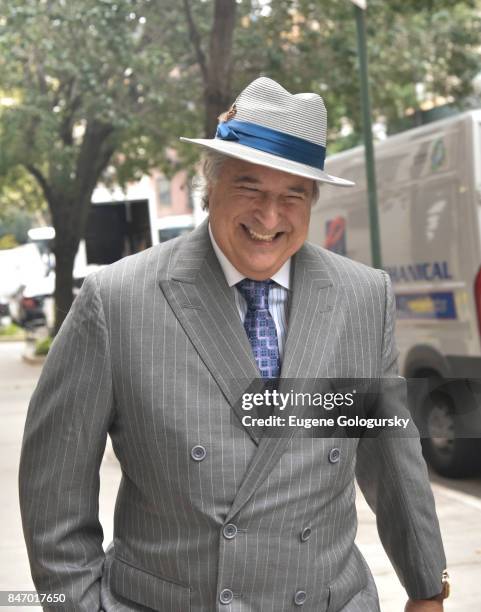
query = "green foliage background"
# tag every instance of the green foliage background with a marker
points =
(130, 65)
(102, 89)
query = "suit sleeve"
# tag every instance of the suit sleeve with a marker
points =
(63, 444)
(393, 477)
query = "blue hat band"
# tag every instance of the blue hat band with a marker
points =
(271, 141)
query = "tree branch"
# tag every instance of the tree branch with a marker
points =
(94, 155)
(38, 70)
(66, 128)
(42, 181)
(97, 150)
(195, 38)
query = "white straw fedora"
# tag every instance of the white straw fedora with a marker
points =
(271, 127)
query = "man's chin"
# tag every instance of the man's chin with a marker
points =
(262, 270)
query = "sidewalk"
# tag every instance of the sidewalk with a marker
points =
(460, 519)
(458, 505)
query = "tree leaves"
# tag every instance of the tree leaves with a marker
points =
(131, 64)
(93, 85)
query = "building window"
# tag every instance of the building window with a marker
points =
(163, 191)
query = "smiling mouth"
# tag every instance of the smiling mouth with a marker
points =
(257, 237)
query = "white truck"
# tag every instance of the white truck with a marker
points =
(429, 205)
(119, 223)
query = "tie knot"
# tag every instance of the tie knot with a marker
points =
(255, 293)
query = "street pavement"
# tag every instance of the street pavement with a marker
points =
(458, 505)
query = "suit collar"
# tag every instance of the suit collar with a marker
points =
(197, 291)
(233, 276)
(313, 296)
(309, 358)
(194, 248)
(204, 304)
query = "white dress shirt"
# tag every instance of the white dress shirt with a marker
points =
(278, 293)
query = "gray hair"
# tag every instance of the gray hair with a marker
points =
(211, 164)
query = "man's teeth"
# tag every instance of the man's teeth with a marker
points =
(265, 237)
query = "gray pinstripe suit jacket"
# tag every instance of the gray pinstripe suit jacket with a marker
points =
(153, 352)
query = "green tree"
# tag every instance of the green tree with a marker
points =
(22, 206)
(93, 84)
(83, 80)
(310, 45)
(97, 83)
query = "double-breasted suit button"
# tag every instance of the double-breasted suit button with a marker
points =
(334, 455)
(198, 453)
(300, 598)
(306, 534)
(226, 596)
(229, 531)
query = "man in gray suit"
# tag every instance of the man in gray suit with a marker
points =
(156, 352)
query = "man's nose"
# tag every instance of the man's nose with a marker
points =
(268, 213)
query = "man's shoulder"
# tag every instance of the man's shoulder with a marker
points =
(147, 265)
(344, 270)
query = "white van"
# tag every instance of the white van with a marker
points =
(429, 203)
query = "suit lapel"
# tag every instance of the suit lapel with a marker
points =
(310, 316)
(310, 331)
(204, 304)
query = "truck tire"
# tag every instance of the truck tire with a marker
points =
(447, 449)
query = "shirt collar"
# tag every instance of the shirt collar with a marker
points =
(233, 276)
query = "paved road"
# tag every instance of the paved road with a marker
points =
(458, 504)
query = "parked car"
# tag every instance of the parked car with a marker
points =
(172, 226)
(33, 304)
(4, 308)
(28, 303)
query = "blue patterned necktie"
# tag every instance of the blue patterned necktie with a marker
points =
(260, 326)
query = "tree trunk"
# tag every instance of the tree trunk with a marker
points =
(69, 217)
(64, 261)
(216, 69)
(69, 206)
(217, 92)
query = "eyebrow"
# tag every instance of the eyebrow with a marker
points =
(298, 190)
(246, 179)
(253, 181)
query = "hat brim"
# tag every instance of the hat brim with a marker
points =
(254, 156)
